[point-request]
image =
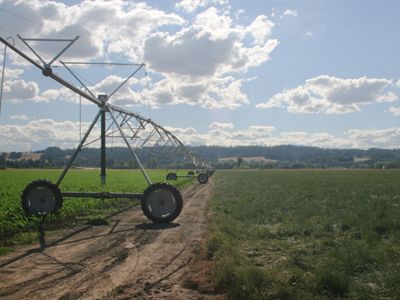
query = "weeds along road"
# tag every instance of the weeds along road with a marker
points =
(130, 258)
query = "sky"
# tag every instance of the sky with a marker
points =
(218, 72)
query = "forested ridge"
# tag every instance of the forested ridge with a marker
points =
(284, 156)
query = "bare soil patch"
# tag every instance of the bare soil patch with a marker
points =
(129, 258)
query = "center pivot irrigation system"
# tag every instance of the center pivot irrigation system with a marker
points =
(160, 202)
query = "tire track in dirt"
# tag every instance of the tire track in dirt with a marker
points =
(152, 269)
(151, 285)
(128, 258)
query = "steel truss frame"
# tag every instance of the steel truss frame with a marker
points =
(136, 131)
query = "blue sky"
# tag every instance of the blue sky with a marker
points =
(220, 72)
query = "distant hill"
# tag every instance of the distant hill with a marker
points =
(285, 156)
(289, 156)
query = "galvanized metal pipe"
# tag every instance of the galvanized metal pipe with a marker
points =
(102, 195)
(131, 149)
(103, 147)
(2, 76)
(68, 166)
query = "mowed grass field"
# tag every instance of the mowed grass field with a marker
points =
(14, 225)
(306, 234)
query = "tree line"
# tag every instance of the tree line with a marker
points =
(285, 156)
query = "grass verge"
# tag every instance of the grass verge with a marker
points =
(16, 228)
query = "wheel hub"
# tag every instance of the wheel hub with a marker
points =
(162, 203)
(41, 200)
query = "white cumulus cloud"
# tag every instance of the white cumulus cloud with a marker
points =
(17, 90)
(395, 111)
(201, 63)
(104, 27)
(21, 117)
(212, 45)
(38, 134)
(217, 125)
(328, 94)
(289, 13)
(197, 61)
(375, 138)
(192, 5)
(224, 135)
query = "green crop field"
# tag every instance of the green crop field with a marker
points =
(306, 234)
(13, 221)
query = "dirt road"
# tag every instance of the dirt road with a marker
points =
(128, 259)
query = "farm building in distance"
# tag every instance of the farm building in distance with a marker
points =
(361, 159)
(16, 156)
(247, 159)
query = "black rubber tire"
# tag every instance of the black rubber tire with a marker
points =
(39, 184)
(202, 178)
(172, 176)
(146, 206)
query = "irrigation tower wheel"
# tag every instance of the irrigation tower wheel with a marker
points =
(172, 176)
(202, 178)
(162, 203)
(41, 197)
(210, 173)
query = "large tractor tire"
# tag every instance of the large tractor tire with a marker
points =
(172, 176)
(162, 203)
(41, 197)
(202, 178)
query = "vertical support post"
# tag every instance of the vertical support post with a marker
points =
(2, 75)
(103, 98)
(71, 160)
(103, 148)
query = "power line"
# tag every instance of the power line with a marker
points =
(101, 64)
(77, 64)
(2, 75)
(31, 21)
(147, 91)
(19, 16)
